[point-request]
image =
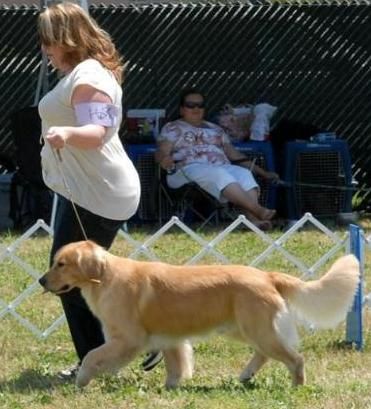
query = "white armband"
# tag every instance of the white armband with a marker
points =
(96, 113)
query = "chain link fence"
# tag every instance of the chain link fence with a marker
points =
(19, 304)
(312, 61)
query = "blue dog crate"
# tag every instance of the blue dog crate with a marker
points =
(261, 153)
(318, 178)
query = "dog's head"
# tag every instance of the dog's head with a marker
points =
(75, 265)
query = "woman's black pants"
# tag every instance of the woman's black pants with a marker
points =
(85, 328)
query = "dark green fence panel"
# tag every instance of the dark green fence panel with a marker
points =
(312, 61)
(19, 67)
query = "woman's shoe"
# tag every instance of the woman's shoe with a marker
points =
(151, 360)
(69, 373)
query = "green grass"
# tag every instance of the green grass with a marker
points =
(336, 377)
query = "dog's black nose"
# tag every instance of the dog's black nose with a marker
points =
(42, 281)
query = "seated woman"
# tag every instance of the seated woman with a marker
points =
(192, 149)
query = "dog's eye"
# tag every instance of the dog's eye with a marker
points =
(60, 264)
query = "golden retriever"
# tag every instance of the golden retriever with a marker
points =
(153, 305)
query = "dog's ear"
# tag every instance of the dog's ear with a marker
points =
(92, 261)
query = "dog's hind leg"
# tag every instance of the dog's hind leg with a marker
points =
(256, 362)
(285, 341)
(108, 357)
(273, 335)
(179, 364)
(275, 349)
(271, 346)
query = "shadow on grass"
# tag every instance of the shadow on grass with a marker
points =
(227, 386)
(29, 380)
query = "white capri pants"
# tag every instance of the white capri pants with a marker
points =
(213, 178)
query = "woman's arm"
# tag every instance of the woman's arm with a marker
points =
(90, 136)
(236, 156)
(163, 154)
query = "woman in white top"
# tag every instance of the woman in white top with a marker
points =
(201, 152)
(83, 160)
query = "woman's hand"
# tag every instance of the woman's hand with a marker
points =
(58, 136)
(272, 176)
(167, 162)
(163, 155)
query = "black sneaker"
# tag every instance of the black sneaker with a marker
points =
(151, 360)
(68, 373)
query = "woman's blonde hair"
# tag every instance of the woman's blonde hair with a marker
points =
(68, 25)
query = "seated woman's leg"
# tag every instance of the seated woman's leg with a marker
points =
(247, 201)
(247, 194)
(229, 183)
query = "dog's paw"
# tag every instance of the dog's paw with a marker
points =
(172, 383)
(247, 381)
(82, 378)
(247, 378)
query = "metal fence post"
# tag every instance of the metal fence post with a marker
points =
(354, 324)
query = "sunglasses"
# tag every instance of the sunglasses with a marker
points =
(192, 105)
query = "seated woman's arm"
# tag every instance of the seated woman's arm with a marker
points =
(237, 157)
(163, 154)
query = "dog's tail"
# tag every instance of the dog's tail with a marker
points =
(326, 301)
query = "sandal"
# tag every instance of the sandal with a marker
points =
(263, 225)
(268, 214)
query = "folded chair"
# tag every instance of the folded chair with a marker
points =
(190, 203)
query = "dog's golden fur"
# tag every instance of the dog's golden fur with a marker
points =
(153, 305)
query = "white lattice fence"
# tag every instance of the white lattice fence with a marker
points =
(11, 306)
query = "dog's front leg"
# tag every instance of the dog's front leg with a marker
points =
(179, 364)
(108, 357)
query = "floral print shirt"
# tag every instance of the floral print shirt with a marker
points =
(193, 144)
